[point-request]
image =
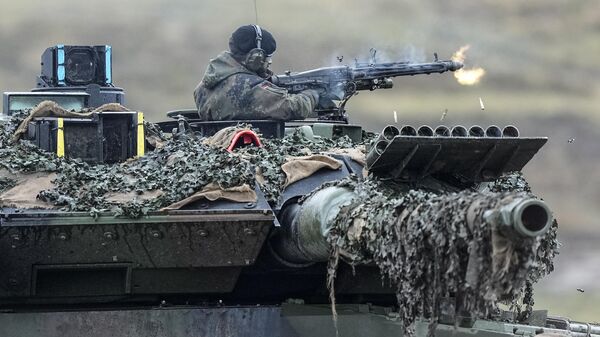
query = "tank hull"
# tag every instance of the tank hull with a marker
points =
(287, 320)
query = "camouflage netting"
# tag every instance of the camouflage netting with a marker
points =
(176, 169)
(418, 239)
(24, 156)
(425, 249)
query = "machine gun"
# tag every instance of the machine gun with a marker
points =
(340, 83)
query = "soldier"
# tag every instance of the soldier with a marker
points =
(236, 83)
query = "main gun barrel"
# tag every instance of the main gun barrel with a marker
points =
(306, 226)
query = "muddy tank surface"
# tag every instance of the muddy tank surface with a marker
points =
(110, 225)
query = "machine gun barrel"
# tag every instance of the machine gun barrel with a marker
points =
(335, 81)
(382, 70)
(306, 226)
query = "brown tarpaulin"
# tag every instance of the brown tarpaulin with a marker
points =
(24, 193)
(355, 153)
(51, 109)
(213, 192)
(224, 137)
(297, 168)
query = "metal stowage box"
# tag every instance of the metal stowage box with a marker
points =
(104, 137)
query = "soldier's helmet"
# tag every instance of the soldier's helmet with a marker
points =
(244, 39)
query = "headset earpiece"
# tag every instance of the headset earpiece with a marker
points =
(255, 60)
(257, 57)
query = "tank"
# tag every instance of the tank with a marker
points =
(426, 231)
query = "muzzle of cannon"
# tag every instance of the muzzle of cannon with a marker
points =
(527, 217)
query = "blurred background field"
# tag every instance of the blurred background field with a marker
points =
(540, 57)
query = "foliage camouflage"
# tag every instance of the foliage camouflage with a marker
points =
(428, 265)
(424, 248)
(23, 156)
(180, 168)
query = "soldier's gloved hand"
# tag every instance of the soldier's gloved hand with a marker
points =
(326, 103)
(313, 94)
(266, 74)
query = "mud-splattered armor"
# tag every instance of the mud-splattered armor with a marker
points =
(230, 91)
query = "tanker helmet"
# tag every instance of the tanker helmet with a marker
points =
(255, 44)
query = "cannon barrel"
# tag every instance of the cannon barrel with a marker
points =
(306, 226)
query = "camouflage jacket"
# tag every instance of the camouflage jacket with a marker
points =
(230, 91)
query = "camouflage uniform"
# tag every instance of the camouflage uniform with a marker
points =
(230, 91)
